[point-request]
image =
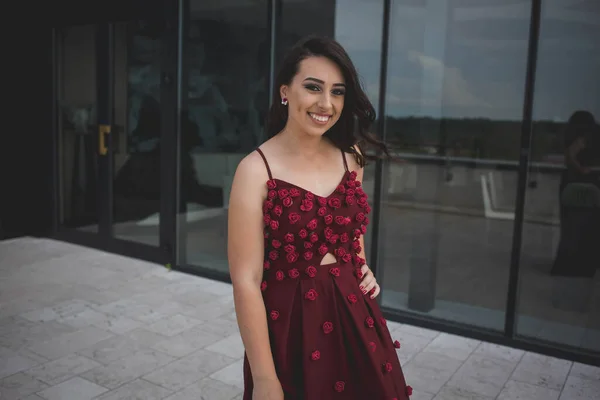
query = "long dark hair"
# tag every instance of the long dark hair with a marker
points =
(352, 129)
(580, 124)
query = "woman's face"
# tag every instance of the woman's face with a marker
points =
(315, 96)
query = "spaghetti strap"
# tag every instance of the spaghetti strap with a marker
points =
(345, 162)
(267, 164)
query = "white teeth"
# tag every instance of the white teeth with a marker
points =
(319, 118)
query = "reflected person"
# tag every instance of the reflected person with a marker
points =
(579, 199)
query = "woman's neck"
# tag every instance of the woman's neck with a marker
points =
(301, 143)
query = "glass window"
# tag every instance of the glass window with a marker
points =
(300, 18)
(364, 48)
(559, 293)
(77, 120)
(136, 130)
(225, 67)
(454, 106)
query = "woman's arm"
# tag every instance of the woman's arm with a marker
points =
(368, 284)
(245, 253)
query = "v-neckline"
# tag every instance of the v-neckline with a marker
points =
(311, 192)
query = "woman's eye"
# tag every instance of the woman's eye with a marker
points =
(339, 92)
(313, 88)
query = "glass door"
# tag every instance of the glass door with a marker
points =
(112, 129)
(77, 105)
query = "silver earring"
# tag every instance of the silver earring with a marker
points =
(284, 101)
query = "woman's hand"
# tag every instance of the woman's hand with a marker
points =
(267, 389)
(369, 284)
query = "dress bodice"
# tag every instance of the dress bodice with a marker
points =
(301, 228)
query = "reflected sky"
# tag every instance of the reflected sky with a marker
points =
(468, 58)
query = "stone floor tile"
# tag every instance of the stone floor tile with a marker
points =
(410, 344)
(70, 342)
(581, 389)
(207, 389)
(492, 350)
(94, 295)
(218, 288)
(420, 395)
(540, 370)
(19, 385)
(136, 390)
(173, 325)
(430, 371)
(482, 376)
(453, 346)
(145, 337)
(19, 306)
(90, 317)
(232, 375)
(128, 368)
(13, 325)
(37, 333)
(186, 342)
(60, 310)
(33, 397)
(209, 311)
(220, 326)
(12, 362)
(418, 331)
(585, 371)
(231, 346)
(456, 393)
(194, 297)
(60, 370)
(116, 348)
(74, 389)
(514, 390)
(185, 371)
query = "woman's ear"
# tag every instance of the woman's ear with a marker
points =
(283, 92)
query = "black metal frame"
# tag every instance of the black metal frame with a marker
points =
(525, 147)
(171, 234)
(170, 144)
(376, 225)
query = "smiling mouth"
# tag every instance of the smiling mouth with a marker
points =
(320, 118)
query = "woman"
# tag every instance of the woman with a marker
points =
(577, 254)
(304, 297)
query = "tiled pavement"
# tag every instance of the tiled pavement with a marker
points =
(81, 324)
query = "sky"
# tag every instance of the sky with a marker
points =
(468, 58)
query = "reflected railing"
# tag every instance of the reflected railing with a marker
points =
(473, 186)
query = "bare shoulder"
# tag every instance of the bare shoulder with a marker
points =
(252, 166)
(250, 176)
(353, 164)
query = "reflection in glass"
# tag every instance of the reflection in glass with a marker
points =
(77, 127)
(454, 107)
(364, 48)
(136, 131)
(225, 99)
(559, 294)
(309, 17)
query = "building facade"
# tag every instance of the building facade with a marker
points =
(154, 104)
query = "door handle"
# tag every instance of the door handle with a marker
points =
(103, 132)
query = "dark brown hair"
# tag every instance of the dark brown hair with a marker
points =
(352, 129)
(581, 124)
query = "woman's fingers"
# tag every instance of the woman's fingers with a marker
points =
(368, 282)
(376, 291)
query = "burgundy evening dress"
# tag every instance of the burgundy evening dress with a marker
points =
(329, 341)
